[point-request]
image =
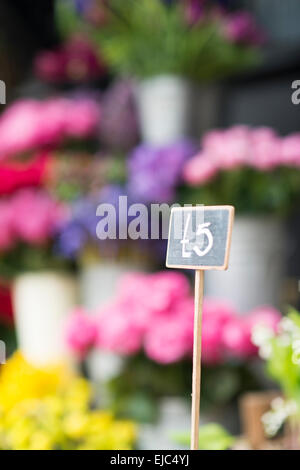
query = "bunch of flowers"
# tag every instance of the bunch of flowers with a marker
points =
(154, 172)
(254, 169)
(29, 125)
(75, 61)
(51, 411)
(281, 351)
(193, 38)
(154, 313)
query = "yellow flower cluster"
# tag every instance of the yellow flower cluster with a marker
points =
(50, 409)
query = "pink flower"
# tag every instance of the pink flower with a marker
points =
(199, 170)
(229, 149)
(216, 315)
(290, 150)
(50, 66)
(18, 127)
(117, 330)
(83, 118)
(266, 316)
(241, 27)
(6, 228)
(236, 338)
(265, 149)
(81, 332)
(168, 340)
(36, 215)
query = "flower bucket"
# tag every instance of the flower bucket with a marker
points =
(164, 108)
(42, 302)
(256, 265)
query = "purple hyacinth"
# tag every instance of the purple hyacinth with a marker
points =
(154, 172)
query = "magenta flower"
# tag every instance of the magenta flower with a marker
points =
(240, 27)
(76, 61)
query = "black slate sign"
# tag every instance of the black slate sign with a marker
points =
(199, 237)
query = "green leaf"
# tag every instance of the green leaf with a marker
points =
(211, 437)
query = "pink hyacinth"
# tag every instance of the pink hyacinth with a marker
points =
(81, 332)
(199, 170)
(266, 316)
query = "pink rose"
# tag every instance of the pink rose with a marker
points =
(199, 170)
(81, 332)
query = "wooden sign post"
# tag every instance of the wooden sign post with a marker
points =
(199, 239)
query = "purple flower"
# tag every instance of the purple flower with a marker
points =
(240, 27)
(154, 172)
(194, 11)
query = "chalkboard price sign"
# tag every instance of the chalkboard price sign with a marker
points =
(199, 237)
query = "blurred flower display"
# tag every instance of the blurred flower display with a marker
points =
(155, 172)
(281, 351)
(29, 124)
(75, 61)
(204, 41)
(51, 411)
(253, 169)
(150, 322)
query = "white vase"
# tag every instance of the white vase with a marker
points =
(164, 108)
(98, 285)
(42, 301)
(256, 265)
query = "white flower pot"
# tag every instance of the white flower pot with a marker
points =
(164, 108)
(42, 301)
(256, 265)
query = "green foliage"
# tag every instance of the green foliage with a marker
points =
(249, 190)
(211, 437)
(144, 38)
(23, 258)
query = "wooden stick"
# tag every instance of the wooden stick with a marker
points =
(199, 286)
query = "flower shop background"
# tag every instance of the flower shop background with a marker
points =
(183, 101)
